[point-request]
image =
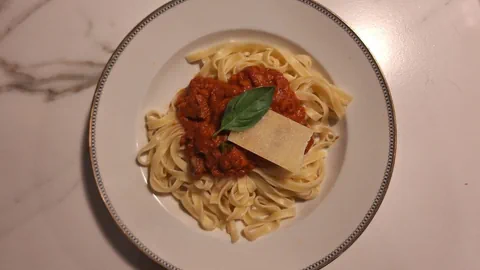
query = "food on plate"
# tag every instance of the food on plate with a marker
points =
(251, 109)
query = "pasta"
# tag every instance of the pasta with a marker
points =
(261, 199)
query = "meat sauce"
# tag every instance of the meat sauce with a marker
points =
(200, 110)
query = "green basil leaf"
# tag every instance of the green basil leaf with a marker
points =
(225, 147)
(245, 110)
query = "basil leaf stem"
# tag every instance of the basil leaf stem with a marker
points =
(245, 110)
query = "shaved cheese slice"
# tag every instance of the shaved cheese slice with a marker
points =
(277, 139)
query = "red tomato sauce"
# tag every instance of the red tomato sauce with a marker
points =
(200, 110)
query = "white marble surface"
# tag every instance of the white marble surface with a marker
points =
(52, 51)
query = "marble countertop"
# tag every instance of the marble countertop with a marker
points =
(52, 52)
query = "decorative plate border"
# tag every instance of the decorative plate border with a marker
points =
(391, 126)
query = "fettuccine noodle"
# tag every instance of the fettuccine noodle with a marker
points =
(261, 199)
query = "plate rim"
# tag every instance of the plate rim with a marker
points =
(391, 126)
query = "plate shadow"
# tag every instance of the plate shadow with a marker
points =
(115, 237)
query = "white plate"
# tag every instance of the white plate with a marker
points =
(146, 70)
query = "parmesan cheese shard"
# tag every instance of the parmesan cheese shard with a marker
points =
(277, 139)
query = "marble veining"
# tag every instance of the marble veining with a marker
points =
(63, 77)
(104, 46)
(22, 17)
(53, 79)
